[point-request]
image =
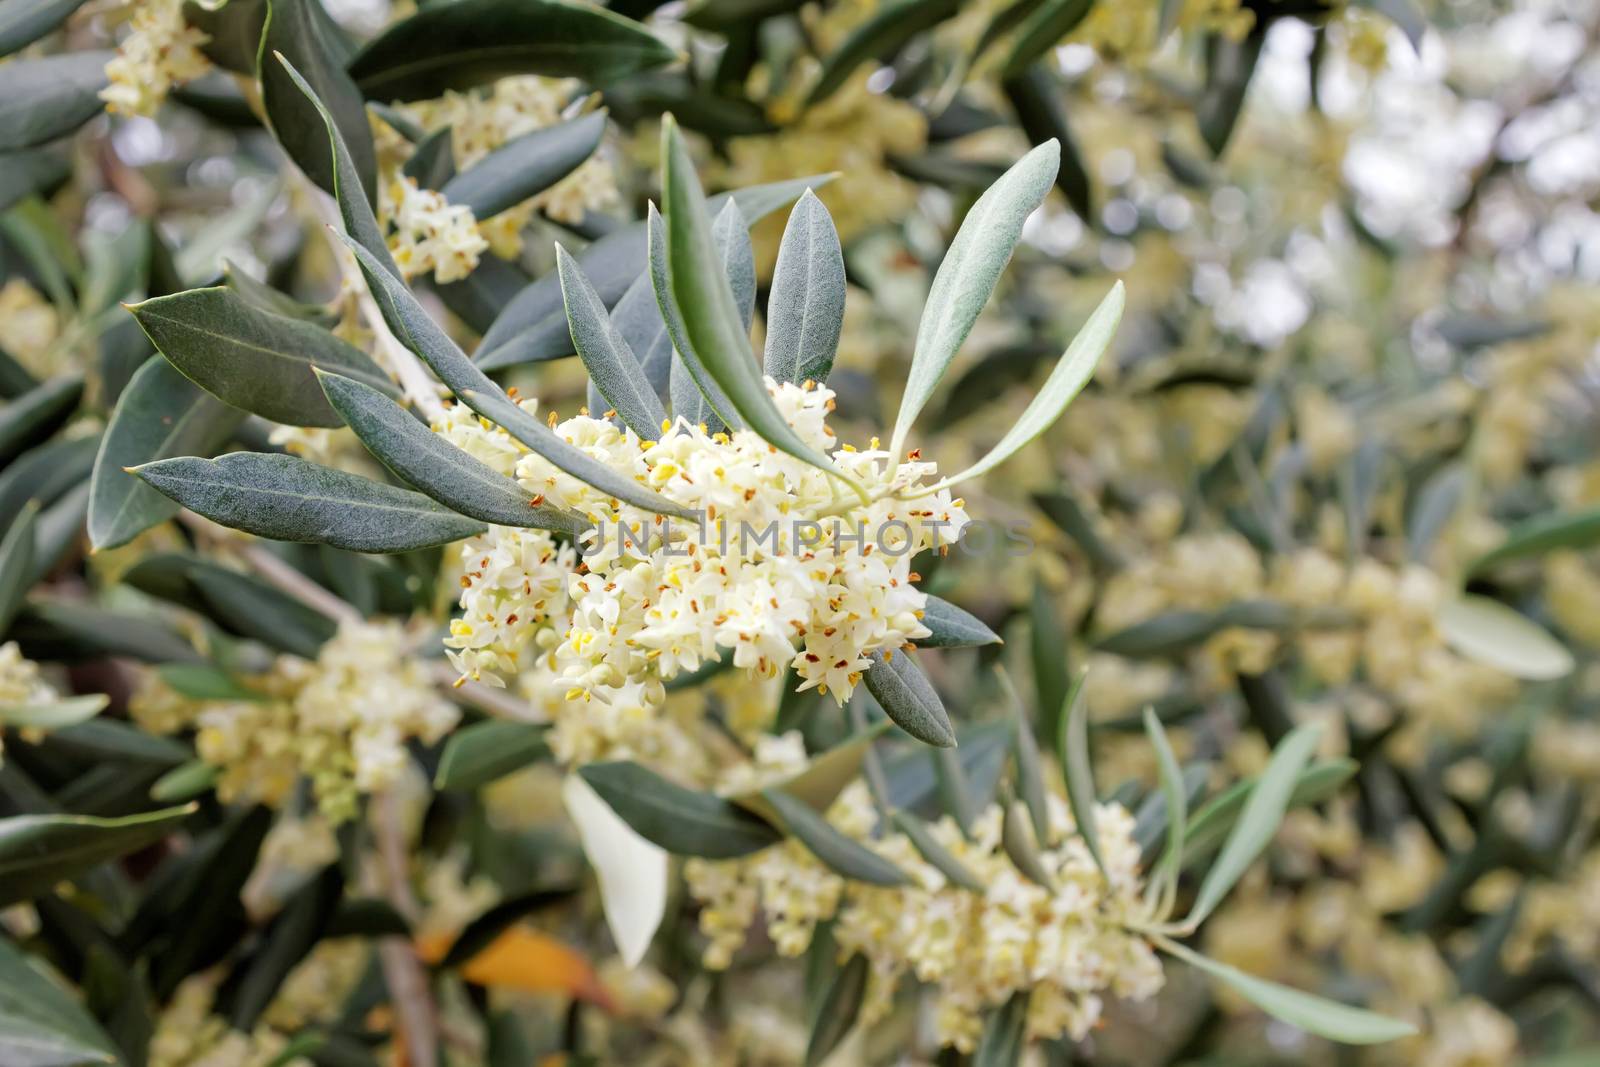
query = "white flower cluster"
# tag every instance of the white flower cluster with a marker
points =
(342, 721)
(160, 52)
(430, 234)
(784, 569)
(481, 122)
(1068, 945)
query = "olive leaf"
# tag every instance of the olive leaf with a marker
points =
(1072, 740)
(980, 251)
(17, 553)
(23, 22)
(533, 326)
(937, 855)
(605, 355)
(805, 311)
(435, 466)
(1039, 32)
(253, 359)
(1263, 811)
(49, 97)
(838, 853)
(459, 46)
(953, 627)
(38, 851)
(1069, 375)
(1489, 632)
(1315, 1015)
(879, 36)
(41, 1024)
(699, 287)
(288, 499)
(631, 870)
(304, 33)
(696, 396)
(682, 821)
(907, 696)
(525, 166)
(159, 415)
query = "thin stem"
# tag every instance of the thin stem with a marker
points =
(420, 387)
(403, 972)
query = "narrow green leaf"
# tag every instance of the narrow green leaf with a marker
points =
(416, 330)
(1177, 801)
(730, 236)
(696, 396)
(1021, 847)
(1230, 64)
(1315, 1015)
(294, 931)
(184, 782)
(1489, 632)
(302, 31)
(287, 499)
(355, 210)
(1263, 811)
(204, 681)
(906, 696)
(838, 853)
(953, 627)
(49, 97)
(435, 466)
(1030, 773)
(805, 310)
(525, 166)
(1070, 375)
(159, 415)
(1072, 739)
(822, 780)
(27, 172)
(17, 553)
(1042, 30)
(682, 821)
(432, 165)
(54, 629)
(533, 326)
(937, 855)
(41, 1023)
(252, 359)
(610, 362)
(68, 711)
(23, 22)
(1005, 1036)
(1039, 99)
(1541, 534)
(459, 46)
(37, 851)
(838, 1010)
(704, 298)
(484, 752)
(968, 274)
(38, 413)
(880, 36)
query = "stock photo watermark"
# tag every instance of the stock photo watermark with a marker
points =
(893, 537)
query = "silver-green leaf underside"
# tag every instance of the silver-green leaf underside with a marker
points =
(610, 362)
(435, 466)
(414, 328)
(1258, 822)
(1071, 373)
(1313, 1014)
(1073, 741)
(696, 396)
(971, 268)
(287, 499)
(250, 358)
(159, 415)
(906, 696)
(706, 300)
(682, 821)
(805, 311)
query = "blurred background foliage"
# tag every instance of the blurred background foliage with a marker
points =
(1355, 381)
